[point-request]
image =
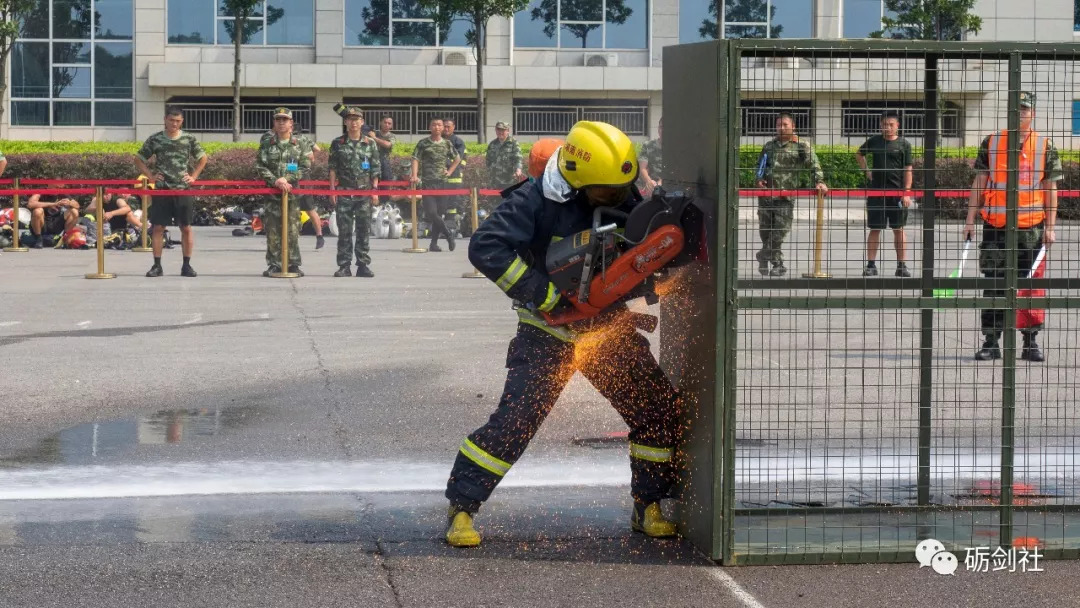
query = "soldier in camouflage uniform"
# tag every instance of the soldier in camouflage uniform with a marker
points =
(1036, 218)
(457, 202)
(354, 165)
(282, 162)
(503, 159)
(651, 162)
(434, 160)
(172, 151)
(385, 139)
(306, 201)
(783, 164)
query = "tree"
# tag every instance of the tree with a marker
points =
(550, 13)
(12, 13)
(740, 11)
(928, 20)
(475, 13)
(241, 11)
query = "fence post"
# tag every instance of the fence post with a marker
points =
(99, 216)
(15, 248)
(474, 197)
(819, 239)
(144, 246)
(415, 231)
(284, 273)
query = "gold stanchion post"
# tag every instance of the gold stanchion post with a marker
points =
(100, 217)
(415, 231)
(145, 246)
(284, 274)
(474, 196)
(819, 239)
(15, 248)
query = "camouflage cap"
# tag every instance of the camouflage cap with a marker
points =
(352, 111)
(1027, 99)
(286, 112)
(502, 125)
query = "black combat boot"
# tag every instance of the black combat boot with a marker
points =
(990, 349)
(1031, 351)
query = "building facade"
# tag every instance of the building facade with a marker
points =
(105, 69)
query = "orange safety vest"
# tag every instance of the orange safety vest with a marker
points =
(1030, 201)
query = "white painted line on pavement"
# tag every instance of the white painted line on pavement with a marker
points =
(264, 315)
(745, 597)
(9, 323)
(194, 319)
(84, 324)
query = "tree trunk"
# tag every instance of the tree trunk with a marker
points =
(239, 21)
(481, 59)
(3, 81)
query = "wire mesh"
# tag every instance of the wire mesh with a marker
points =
(863, 420)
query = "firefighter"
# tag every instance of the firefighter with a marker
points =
(597, 166)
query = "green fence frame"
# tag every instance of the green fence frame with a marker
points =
(701, 102)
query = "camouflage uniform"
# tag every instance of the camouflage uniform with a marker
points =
(652, 152)
(272, 163)
(782, 166)
(993, 256)
(171, 160)
(384, 159)
(503, 160)
(434, 159)
(306, 201)
(356, 166)
(456, 203)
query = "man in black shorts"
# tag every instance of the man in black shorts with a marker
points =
(118, 215)
(173, 151)
(891, 170)
(52, 219)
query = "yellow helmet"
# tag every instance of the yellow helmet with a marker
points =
(597, 154)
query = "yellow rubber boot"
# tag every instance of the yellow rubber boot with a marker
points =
(460, 531)
(649, 520)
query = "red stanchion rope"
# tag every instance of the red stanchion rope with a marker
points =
(49, 191)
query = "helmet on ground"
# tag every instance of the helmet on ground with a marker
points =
(6, 216)
(597, 154)
(75, 239)
(540, 153)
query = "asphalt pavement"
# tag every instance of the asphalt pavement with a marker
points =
(234, 440)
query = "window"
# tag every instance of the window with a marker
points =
(215, 114)
(860, 118)
(758, 116)
(699, 19)
(413, 115)
(1076, 15)
(271, 23)
(583, 24)
(72, 65)
(1076, 115)
(557, 116)
(398, 23)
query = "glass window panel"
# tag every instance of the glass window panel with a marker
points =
(71, 19)
(581, 36)
(71, 113)
(30, 69)
(191, 22)
(367, 22)
(746, 11)
(35, 23)
(744, 31)
(71, 52)
(115, 19)
(30, 113)
(414, 33)
(792, 19)
(697, 20)
(861, 17)
(253, 31)
(532, 29)
(581, 10)
(223, 10)
(71, 82)
(113, 70)
(410, 9)
(456, 35)
(290, 22)
(112, 114)
(628, 25)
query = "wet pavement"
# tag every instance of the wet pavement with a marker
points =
(239, 441)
